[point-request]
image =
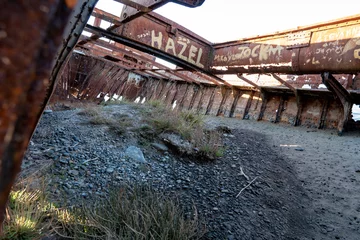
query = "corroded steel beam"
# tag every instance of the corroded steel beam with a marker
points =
(136, 8)
(100, 14)
(332, 46)
(30, 37)
(189, 76)
(166, 39)
(248, 81)
(283, 82)
(344, 96)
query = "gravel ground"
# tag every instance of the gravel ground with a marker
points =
(290, 187)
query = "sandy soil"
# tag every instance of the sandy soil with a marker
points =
(328, 167)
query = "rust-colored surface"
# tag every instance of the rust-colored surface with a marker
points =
(160, 33)
(135, 8)
(294, 92)
(281, 103)
(24, 76)
(331, 46)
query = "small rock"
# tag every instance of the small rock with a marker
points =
(109, 170)
(160, 147)
(47, 111)
(63, 161)
(73, 172)
(135, 153)
(216, 209)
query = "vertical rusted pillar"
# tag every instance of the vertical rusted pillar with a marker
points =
(225, 92)
(324, 110)
(299, 104)
(280, 109)
(237, 94)
(30, 35)
(248, 105)
(211, 100)
(163, 86)
(181, 104)
(194, 96)
(201, 100)
(264, 97)
(176, 93)
(344, 96)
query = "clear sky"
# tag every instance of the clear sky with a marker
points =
(225, 20)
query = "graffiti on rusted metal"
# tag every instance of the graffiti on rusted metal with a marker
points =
(160, 33)
(334, 47)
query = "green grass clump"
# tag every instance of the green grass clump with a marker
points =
(26, 215)
(90, 111)
(132, 213)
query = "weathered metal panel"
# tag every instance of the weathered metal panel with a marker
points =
(332, 46)
(160, 33)
(179, 94)
(334, 114)
(290, 110)
(188, 97)
(205, 95)
(255, 107)
(228, 104)
(216, 102)
(271, 108)
(241, 105)
(311, 113)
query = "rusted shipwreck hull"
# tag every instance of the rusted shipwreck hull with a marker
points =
(268, 72)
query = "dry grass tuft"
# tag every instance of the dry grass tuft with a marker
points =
(136, 212)
(26, 214)
(189, 125)
(131, 213)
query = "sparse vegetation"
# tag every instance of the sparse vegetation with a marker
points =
(135, 212)
(131, 213)
(117, 124)
(189, 125)
(26, 215)
(160, 119)
(90, 111)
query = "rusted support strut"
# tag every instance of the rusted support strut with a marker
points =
(25, 76)
(344, 96)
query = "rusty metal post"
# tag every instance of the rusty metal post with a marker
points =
(344, 96)
(225, 92)
(248, 105)
(211, 101)
(299, 105)
(237, 94)
(30, 35)
(280, 109)
(324, 110)
(264, 98)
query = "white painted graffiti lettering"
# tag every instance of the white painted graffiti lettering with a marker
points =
(156, 39)
(262, 52)
(188, 52)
